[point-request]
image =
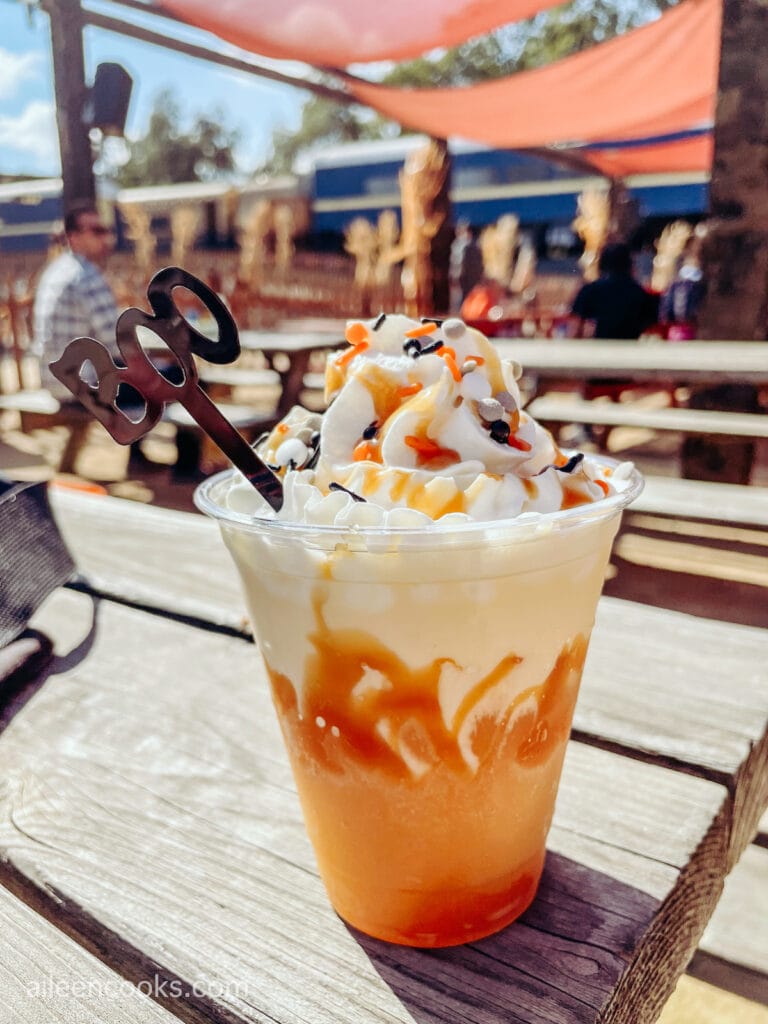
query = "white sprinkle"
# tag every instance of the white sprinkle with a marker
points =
(335, 730)
(506, 400)
(292, 450)
(454, 329)
(468, 367)
(320, 722)
(490, 409)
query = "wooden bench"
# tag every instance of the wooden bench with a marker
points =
(39, 410)
(704, 500)
(554, 409)
(196, 451)
(733, 952)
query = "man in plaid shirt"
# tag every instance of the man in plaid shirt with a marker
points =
(73, 298)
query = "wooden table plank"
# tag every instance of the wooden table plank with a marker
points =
(703, 499)
(554, 409)
(150, 556)
(733, 952)
(183, 566)
(150, 801)
(48, 978)
(647, 361)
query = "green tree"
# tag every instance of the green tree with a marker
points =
(169, 154)
(549, 36)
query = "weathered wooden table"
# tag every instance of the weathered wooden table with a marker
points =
(646, 362)
(289, 355)
(150, 832)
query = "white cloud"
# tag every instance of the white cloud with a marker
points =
(16, 68)
(33, 131)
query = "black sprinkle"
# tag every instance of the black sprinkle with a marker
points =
(379, 321)
(313, 459)
(571, 464)
(275, 469)
(500, 431)
(434, 347)
(370, 431)
(412, 347)
(314, 440)
(333, 486)
(432, 320)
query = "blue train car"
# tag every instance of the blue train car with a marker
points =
(361, 179)
(30, 212)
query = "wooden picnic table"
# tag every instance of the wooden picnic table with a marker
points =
(289, 355)
(150, 831)
(654, 362)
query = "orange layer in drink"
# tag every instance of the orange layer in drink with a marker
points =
(419, 841)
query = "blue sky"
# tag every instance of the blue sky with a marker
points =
(28, 140)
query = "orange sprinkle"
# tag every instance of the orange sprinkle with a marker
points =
(365, 451)
(560, 459)
(478, 359)
(281, 428)
(427, 449)
(449, 355)
(519, 443)
(603, 486)
(409, 389)
(346, 357)
(419, 332)
(356, 332)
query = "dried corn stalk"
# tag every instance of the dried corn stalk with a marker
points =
(139, 231)
(422, 182)
(524, 274)
(498, 243)
(184, 224)
(284, 222)
(387, 235)
(253, 244)
(591, 225)
(361, 242)
(669, 248)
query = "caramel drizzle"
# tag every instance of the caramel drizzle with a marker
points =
(339, 721)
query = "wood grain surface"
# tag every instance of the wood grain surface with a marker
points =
(47, 978)
(707, 713)
(147, 806)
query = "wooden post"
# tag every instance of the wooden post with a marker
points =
(440, 250)
(736, 252)
(66, 19)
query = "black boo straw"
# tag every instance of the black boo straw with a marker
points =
(184, 341)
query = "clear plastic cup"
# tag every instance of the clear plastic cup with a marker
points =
(425, 682)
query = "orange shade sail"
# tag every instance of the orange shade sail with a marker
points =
(655, 80)
(337, 33)
(679, 156)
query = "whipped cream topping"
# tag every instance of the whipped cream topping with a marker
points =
(424, 423)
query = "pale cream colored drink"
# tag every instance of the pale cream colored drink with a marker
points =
(424, 666)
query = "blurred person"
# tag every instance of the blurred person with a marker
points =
(466, 264)
(680, 303)
(618, 306)
(73, 298)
